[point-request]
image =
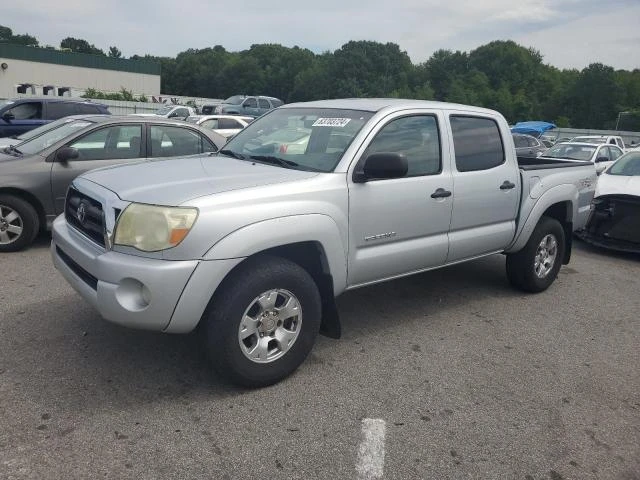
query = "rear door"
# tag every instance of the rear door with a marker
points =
(485, 192)
(396, 226)
(102, 147)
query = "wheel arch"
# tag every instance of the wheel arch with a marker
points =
(560, 203)
(311, 256)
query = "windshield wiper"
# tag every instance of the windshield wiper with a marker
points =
(275, 161)
(12, 149)
(231, 153)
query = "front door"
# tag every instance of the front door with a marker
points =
(20, 119)
(486, 187)
(112, 145)
(401, 225)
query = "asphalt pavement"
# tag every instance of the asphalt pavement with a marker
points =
(450, 374)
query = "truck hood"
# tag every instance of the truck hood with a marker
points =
(618, 185)
(176, 181)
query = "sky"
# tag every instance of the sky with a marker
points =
(568, 33)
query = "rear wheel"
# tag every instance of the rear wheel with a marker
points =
(263, 322)
(19, 223)
(536, 266)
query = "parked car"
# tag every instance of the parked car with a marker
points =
(36, 173)
(602, 155)
(255, 247)
(252, 106)
(177, 112)
(226, 125)
(527, 146)
(614, 221)
(19, 115)
(609, 139)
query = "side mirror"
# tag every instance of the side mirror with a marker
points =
(67, 153)
(8, 116)
(383, 165)
(602, 159)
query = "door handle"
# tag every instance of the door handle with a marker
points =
(507, 185)
(441, 193)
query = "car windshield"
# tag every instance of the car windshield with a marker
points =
(590, 139)
(304, 138)
(627, 165)
(4, 103)
(570, 151)
(235, 100)
(44, 128)
(164, 110)
(39, 143)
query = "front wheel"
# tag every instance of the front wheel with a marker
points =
(263, 322)
(19, 223)
(536, 266)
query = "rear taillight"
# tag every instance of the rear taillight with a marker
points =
(283, 148)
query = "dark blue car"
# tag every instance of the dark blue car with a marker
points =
(20, 115)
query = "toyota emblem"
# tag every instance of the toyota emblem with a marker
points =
(81, 213)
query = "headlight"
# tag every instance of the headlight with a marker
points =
(151, 228)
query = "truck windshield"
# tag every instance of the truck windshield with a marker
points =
(235, 100)
(48, 138)
(304, 138)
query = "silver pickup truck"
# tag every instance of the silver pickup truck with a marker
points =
(254, 243)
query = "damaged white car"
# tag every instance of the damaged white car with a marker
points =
(614, 221)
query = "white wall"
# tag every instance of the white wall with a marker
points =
(77, 78)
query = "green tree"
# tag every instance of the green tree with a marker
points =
(114, 52)
(7, 36)
(79, 45)
(595, 98)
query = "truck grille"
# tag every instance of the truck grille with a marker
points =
(85, 214)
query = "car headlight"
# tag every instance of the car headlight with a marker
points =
(151, 228)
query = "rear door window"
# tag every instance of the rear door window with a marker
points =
(228, 123)
(56, 110)
(264, 103)
(477, 143)
(84, 109)
(171, 141)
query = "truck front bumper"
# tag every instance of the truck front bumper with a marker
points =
(136, 292)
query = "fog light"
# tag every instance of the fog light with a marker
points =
(133, 295)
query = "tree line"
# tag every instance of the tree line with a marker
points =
(501, 75)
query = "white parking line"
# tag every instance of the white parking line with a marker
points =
(371, 453)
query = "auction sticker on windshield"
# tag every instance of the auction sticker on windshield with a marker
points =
(331, 122)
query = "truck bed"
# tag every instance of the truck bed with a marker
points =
(528, 163)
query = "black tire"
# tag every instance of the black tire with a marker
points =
(521, 265)
(27, 219)
(228, 306)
